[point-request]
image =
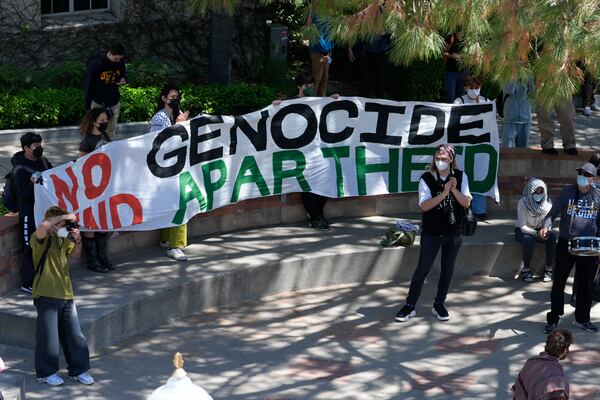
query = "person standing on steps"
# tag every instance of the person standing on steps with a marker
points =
(443, 196)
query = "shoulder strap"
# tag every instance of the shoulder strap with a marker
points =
(45, 162)
(462, 100)
(18, 167)
(40, 267)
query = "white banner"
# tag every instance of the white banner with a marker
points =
(337, 148)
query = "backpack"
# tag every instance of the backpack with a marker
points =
(10, 195)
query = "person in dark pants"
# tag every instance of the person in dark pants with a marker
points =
(24, 162)
(531, 213)
(453, 73)
(443, 196)
(371, 59)
(578, 206)
(57, 321)
(313, 203)
(94, 131)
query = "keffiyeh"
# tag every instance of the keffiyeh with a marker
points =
(533, 207)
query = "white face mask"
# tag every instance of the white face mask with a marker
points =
(442, 165)
(62, 232)
(537, 197)
(473, 93)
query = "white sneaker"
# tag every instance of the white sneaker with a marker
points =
(164, 244)
(84, 378)
(587, 111)
(594, 107)
(52, 380)
(176, 254)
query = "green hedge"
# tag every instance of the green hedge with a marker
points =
(47, 107)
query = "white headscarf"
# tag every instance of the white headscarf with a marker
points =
(533, 207)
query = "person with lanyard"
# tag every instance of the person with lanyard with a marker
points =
(94, 130)
(174, 239)
(578, 206)
(443, 196)
(531, 213)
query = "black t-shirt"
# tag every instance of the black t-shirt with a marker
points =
(455, 47)
(91, 142)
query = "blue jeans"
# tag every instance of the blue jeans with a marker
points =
(479, 204)
(453, 82)
(528, 241)
(58, 326)
(516, 134)
(430, 244)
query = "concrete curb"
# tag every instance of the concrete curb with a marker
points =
(12, 385)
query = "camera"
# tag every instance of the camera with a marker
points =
(70, 225)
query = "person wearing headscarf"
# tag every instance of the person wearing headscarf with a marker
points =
(531, 212)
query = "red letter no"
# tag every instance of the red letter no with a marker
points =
(103, 161)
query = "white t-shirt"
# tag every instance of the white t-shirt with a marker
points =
(425, 193)
(465, 99)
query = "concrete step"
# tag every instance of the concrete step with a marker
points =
(148, 289)
(12, 386)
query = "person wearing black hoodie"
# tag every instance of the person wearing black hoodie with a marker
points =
(31, 158)
(104, 74)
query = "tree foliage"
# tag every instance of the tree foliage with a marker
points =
(503, 39)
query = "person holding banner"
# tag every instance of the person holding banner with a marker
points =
(443, 196)
(173, 239)
(579, 207)
(94, 130)
(473, 86)
(314, 204)
(57, 321)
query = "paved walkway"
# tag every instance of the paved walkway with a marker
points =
(342, 343)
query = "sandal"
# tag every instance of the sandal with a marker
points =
(527, 276)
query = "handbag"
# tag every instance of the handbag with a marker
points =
(469, 222)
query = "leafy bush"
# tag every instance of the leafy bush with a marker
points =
(36, 108)
(54, 107)
(3, 209)
(145, 73)
(14, 79)
(421, 81)
(67, 74)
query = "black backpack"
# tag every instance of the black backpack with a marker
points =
(10, 195)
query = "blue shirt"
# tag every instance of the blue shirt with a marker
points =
(160, 121)
(517, 106)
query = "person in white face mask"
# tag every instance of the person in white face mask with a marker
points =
(443, 196)
(531, 213)
(579, 208)
(473, 86)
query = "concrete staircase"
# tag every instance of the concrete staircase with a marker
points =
(148, 289)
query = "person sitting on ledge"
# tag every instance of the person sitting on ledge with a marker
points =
(531, 212)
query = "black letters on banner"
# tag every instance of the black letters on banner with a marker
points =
(383, 113)
(257, 137)
(208, 155)
(455, 127)
(307, 136)
(180, 152)
(335, 137)
(438, 132)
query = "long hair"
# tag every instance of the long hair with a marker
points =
(445, 149)
(87, 125)
(164, 91)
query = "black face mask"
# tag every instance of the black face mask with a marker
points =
(38, 151)
(174, 103)
(103, 126)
